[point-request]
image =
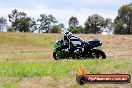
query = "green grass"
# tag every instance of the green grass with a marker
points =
(61, 72)
(9, 85)
(59, 69)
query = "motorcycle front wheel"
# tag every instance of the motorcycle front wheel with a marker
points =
(55, 56)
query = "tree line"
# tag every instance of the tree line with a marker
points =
(95, 23)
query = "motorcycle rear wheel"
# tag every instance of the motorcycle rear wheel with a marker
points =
(96, 53)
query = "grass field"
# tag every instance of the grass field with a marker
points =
(26, 61)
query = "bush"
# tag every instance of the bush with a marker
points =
(55, 29)
(10, 29)
(76, 30)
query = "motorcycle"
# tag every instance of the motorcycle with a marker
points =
(76, 48)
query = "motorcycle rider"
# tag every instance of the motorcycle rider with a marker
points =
(74, 43)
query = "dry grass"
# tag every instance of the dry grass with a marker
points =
(40, 46)
(27, 47)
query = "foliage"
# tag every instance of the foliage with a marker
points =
(10, 29)
(74, 25)
(97, 24)
(56, 28)
(76, 30)
(20, 21)
(123, 21)
(73, 22)
(108, 25)
(46, 21)
(3, 21)
(93, 24)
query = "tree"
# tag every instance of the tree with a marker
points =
(56, 28)
(74, 25)
(3, 23)
(76, 30)
(73, 22)
(25, 24)
(61, 25)
(46, 21)
(20, 21)
(108, 26)
(94, 24)
(3, 20)
(123, 21)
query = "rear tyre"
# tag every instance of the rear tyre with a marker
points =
(98, 54)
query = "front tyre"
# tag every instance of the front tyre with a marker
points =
(55, 56)
(98, 54)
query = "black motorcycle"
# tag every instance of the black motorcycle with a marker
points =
(76, 48)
